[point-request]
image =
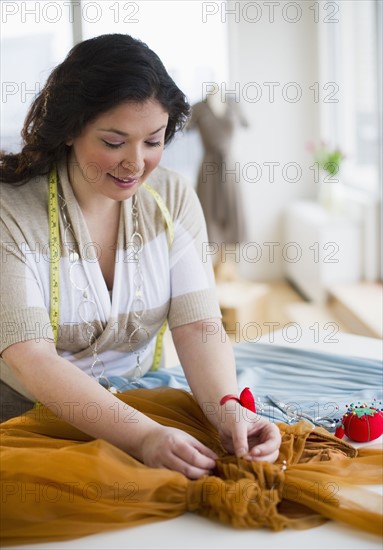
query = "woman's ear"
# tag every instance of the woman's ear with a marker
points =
(69, 142)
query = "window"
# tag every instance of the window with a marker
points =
(351, 51)
(193, 51)
(351, 58)
(192, 46)
(35, 36)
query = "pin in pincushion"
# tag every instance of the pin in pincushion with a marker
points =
(361, 423)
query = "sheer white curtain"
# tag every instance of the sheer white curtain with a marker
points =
(192, 45)
(351, 59)
(35, 36)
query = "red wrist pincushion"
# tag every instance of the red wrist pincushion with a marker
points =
(246, 399)
(361, 423)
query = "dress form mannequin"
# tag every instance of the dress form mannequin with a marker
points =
(216, 104)
(218, 185)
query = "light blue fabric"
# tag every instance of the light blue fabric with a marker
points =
(317, 383)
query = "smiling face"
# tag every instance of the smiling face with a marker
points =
(116, 152)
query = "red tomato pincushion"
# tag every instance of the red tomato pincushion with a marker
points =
(361, 423)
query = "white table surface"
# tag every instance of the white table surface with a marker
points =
(340, 343)
(191, 532)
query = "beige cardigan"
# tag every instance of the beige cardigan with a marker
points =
(178, 284)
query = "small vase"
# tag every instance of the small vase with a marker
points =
(330, 192)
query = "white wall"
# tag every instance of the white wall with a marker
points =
(279, 51)
(275, 50)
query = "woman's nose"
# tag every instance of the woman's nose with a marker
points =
(133, 163)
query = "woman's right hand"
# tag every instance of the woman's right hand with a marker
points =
(64, 384)
(164, 447)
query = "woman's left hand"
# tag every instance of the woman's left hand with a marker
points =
(248, 435)
(207, 357)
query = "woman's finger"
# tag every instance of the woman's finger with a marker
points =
(178, 465)
(194, 465)
(240, 439)
(270, 440)
(204, 450)
(190, 454)
(271, 457)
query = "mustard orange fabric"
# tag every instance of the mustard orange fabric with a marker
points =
(58, 483)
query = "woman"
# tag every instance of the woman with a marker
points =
(128, 257)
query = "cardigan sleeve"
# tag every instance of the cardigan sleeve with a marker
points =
(193, 292)
(23, 308)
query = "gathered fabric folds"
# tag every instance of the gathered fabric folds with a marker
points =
(59, 484)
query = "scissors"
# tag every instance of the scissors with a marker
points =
(323, 421)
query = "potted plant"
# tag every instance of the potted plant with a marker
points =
(326, 167)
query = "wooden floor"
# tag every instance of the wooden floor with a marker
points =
(251, 310)
(360, 306)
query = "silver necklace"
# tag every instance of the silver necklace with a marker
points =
(87, 307)
(138, 303)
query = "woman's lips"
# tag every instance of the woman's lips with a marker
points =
(125, 183)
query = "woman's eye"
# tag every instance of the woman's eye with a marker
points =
(153, 143)
(112, 145)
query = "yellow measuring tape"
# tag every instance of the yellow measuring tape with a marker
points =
(170, 226)
(54, 257)
(54, 249)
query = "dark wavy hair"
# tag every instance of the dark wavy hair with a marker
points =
(96, 75)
